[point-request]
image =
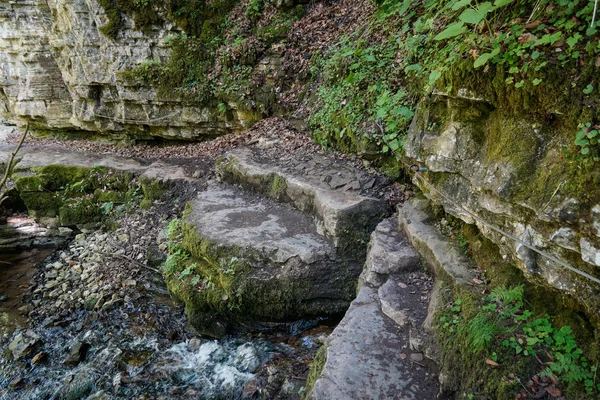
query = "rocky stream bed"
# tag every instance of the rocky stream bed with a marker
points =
(95, 320)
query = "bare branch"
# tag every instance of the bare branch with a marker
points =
(10, 164)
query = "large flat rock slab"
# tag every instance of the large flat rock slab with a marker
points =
(316, 185)
(369, 357)
(265, 261)
(36, 156)
(230, 217)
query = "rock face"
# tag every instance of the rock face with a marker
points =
(60, 72)
(509, 170)
(376, 352)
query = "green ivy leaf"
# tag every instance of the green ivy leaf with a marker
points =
(434, 76)
(536, 81)
(460, 4)
(572, 41)
(413, 67)
(592, 134)
(454, 29)
(585, 150)
(591, 31)
(588, 89)
(520, 84)
(482, 59)
(475, 16)
(501, 3)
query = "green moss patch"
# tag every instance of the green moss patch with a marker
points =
(316, 368)
(78, 195)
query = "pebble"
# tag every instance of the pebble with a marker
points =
(17, 383)
(39, 357)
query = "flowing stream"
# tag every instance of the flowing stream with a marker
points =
(141, 348)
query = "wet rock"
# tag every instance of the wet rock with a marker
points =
(112, 304)
(250, 390)
(80, 385)
(17, 383)
(418, 357)
(77, 354)
(194, 344)
(24, 344)
(3, 298)
(100, 395)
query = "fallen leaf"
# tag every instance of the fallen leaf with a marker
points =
(403, 356)
(532, 25)
(402, 285)
(553, 391)
(477, 281)
(526, 38)
(492, 363)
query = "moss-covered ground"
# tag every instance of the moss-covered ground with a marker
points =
(505, 332)
(79, 195)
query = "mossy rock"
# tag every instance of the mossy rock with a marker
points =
(75, 214)
(250, 263)
(42, 204)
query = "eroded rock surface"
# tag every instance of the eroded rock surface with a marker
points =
(509, 170)
(60, 72)
(374, 352)
(316, 185)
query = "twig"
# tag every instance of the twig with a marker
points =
(553, 194)
(594, 15)
(9, 165)
(418, 363)
(534, 10)
(124, 257)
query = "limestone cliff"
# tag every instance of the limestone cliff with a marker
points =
(61, 73)
(508, 168)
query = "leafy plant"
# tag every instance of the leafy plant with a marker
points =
(587, 140)
(501, 321)
(254, 9)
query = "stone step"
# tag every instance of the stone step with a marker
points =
(377, 350)
(264, 260)
(315, 184)
(438, 251)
